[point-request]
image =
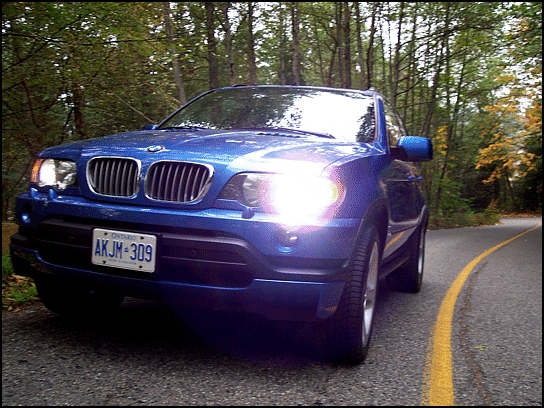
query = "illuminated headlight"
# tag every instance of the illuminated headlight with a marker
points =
(290, 195)
(54, 172)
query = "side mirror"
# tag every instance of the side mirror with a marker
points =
(149, 126)
(417, 148)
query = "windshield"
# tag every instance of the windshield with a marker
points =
(341, 114)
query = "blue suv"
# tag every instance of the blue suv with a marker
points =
(291, 202)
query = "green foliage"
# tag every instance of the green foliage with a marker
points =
(7, 268)
(16, 290)
(467, 218)
(25, 293)
(452, 203)
(455, 211)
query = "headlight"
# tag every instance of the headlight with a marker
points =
(289, 195)
(54, 172)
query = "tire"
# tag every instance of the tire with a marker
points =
(72, 300)
(352, 324)
(410, 276)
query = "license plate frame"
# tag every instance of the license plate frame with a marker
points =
(124, 249)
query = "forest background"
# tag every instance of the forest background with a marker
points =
(468, 75)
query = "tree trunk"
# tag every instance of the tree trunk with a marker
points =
(251, 46)
(78, 102)
(295, 21)
(409, 95)
(320, 62)
(175, 56)
(396, 60)
(338, 42)
(228, 42)
(510, 189)
(212, 46)
(281, 29)
(347, 46)
(370, 50)
(432, 102)
(361, 60)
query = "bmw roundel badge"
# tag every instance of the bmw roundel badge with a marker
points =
(155, 148)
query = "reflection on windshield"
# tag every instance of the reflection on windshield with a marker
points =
(344, 115)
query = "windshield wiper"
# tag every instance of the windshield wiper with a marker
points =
(184, 127)
(283, 130)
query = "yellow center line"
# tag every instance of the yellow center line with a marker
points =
(438, 374)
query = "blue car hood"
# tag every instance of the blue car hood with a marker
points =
(235, 150)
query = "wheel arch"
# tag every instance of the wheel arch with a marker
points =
(377, 215)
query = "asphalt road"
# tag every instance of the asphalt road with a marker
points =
(144, 355)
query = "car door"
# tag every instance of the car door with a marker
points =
(402, 186)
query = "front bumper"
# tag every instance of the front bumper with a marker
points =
(214, 258)
(274, 299)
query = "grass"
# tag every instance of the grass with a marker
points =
(17, 290)
(465, 219)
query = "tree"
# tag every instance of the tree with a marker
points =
(212, 45)
(467, 75)
(251, 44)
(295, 27)
(175, 56)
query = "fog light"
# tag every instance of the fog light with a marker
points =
(26, 214)
(287, 238)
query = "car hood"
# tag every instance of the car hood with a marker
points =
(226, 152)
(235, 150)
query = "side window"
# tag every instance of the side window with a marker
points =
(366, 133)
(395, 127)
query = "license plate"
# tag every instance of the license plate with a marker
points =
(122, 249)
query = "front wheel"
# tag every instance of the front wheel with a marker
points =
(410, 276)
(351, 325)
(69, 299)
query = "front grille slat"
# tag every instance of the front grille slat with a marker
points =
(100, 176)
(187, 197)
(124, 182)
(168, 178)
(112, 180)
(180, 189)
(175, 184)
(198, 183)
(158, 188)
(191, 189)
